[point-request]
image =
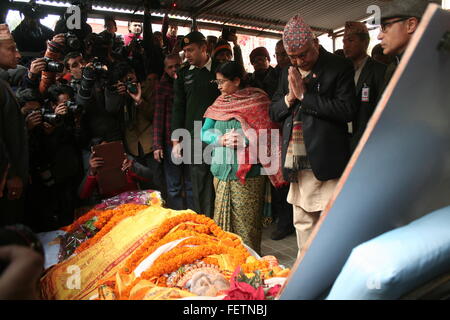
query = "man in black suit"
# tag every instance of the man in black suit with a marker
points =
(369, 76)
(315, 100)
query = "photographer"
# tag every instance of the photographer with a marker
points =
(30, 35)
(85, 30)
(99, 47)
(50, 65)
(55, 162)
(135, 174)
(97, 121)
(133, 103)
(111, 28)
(74, 64)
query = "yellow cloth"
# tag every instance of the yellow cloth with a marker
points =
(104, 259)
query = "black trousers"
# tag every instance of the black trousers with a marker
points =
(282, 209)
(158, 181)
(202, 189)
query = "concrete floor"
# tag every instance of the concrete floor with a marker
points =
(284, 250)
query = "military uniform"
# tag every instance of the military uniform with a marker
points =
(194, 93)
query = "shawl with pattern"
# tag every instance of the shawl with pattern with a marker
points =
(250, 106)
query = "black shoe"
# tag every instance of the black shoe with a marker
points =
(281, 234)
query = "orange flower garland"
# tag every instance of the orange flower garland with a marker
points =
(179, 256)
(108, 220)
(252, 267)
(204, 233)
(81, 220)
(180, 222)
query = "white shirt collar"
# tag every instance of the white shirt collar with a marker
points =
(208, 65)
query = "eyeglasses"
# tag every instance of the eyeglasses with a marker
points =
(219, 82)
(384, 25)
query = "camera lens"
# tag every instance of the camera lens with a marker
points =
(53, 119)
(53, 66)
(132, 87)
(73, 43)
(73, 107)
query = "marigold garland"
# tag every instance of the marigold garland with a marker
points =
(252, 267)
(81, 220)
(181, 223)
(108, 220)
(211, 260)
(179, 256)
(202, 233)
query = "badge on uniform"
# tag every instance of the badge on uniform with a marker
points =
(365, 96)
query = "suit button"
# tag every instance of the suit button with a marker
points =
(288, 125)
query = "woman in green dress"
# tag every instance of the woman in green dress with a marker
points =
(246, 150)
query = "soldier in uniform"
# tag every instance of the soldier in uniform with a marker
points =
(194, 93)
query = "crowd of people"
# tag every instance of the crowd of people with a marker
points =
(89, 89)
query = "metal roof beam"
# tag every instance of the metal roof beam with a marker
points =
(100, 14)
(209, 7)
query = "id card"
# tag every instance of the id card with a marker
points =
(365, 96)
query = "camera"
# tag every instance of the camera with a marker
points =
(53, 66)
(98, 65)
(33, 11)
(131, 86)
(72, 41)
(227, 32)
(19, 235)
(73, 107)
(51, 118)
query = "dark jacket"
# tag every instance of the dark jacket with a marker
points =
(13, 133)
(193, 94)
(98, 122)
(371, 80)
(265, 80)
(390, 70)
(31, 41)
(328, 105)
(272, 81)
